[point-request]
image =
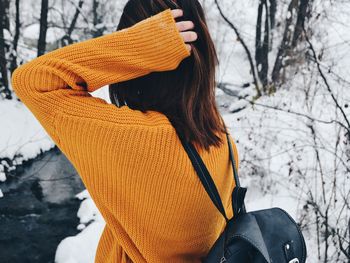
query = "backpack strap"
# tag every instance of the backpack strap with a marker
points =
(238, 193)
(204, 175)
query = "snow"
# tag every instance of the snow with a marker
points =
(22, 139)
(239, 105)
(91, 226)
(53, 34)
(278, 157)
(2, 177)
(25, 136)
(7, 35)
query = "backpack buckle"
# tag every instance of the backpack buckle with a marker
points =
(289, 252)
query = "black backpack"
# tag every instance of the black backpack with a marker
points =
(263, 236)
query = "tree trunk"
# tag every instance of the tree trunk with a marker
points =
(262, 43)
(273, 10)
(98, 30)
(13, 65)
(285, 45)
(43, 27)
(5, 18)
(4, 82)
(302, 13)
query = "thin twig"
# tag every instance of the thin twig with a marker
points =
(252, 67)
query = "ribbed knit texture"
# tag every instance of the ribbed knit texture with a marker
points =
(132, 163)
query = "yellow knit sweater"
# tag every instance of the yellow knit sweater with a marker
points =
(132, 163)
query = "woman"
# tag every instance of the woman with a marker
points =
(161, 73)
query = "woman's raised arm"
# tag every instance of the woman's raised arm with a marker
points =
(57, 83)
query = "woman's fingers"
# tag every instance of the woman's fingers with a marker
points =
(182, 26)
(189, 36)
(177, 12)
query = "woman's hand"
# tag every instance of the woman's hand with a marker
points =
(188, 36)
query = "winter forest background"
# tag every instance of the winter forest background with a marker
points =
(283, 90)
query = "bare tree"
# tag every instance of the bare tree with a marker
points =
(13, 65)
(262, 43)
(291, 35)
(285, 47)
(303, 12)
(67, 39)
(266, 21)
(97, 19)
(4, 24)
(272, 11)
(43, 27)
(5, 18)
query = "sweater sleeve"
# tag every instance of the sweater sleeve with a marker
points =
(58, 83)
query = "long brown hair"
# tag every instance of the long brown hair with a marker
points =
(185, 95)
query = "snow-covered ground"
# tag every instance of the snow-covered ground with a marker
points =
(22, 137)
(91, 224)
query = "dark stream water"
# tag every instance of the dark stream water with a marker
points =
(38, 208)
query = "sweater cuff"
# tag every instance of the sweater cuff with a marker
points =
(162, 46)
